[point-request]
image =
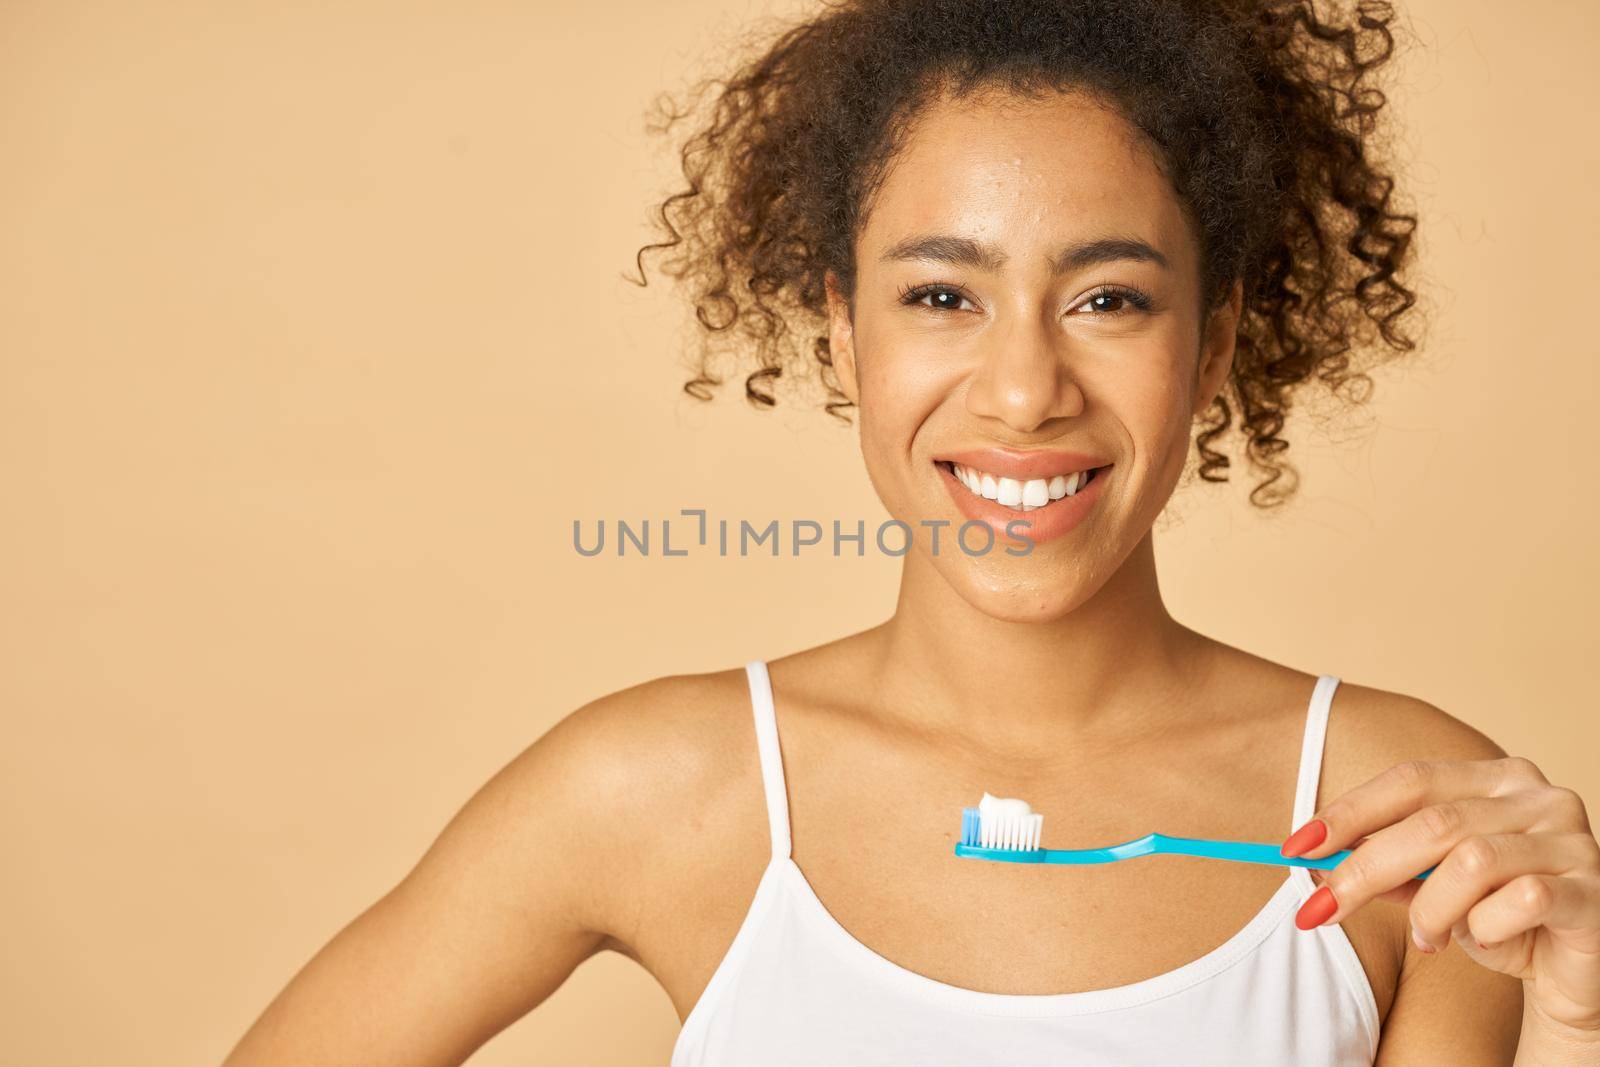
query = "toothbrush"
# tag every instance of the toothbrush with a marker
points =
(1007, 830)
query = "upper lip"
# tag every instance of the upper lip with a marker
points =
(1023, 465)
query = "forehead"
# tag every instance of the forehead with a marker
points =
(1021, 171)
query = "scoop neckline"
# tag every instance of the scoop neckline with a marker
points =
(1081, 1002)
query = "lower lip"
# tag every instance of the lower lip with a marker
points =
(1055, 519)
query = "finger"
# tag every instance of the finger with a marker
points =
(1402, 790)
(1562, 903)
(1477, 867)
(1394, 856)
(1400, 894)
(1563, 809)
(1511, 956)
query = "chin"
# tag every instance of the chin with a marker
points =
(1019, 589)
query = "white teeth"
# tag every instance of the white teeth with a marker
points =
(1017, 493)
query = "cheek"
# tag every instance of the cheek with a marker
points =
(1162, 413)
(894, 362)
(901, 388)
(1155, 407)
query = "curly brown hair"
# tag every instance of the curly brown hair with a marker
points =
(1263, 113)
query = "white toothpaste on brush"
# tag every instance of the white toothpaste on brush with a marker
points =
(1006, 822)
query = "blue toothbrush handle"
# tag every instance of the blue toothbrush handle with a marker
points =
(1247, 852)
(1243, 852)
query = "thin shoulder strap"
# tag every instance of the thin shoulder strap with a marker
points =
(1305, 793)
(771, 756)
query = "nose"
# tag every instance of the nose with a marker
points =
(1024, 379)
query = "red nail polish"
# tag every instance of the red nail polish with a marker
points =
(1317, 909)
(1305, 839)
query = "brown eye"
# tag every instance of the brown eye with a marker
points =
(1115, 302)
(936, 297)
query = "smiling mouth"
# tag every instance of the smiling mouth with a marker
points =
(1022, 495)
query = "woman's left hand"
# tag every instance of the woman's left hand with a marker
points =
(1516, 880)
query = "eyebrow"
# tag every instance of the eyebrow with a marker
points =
(966, 252)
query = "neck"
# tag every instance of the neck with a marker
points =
(944, 663)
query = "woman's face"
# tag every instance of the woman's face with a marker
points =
(1025, 346)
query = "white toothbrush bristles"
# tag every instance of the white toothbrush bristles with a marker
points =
(1008, 823)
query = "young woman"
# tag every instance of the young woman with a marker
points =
(1039, 245)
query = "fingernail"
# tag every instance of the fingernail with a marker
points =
(1317, 909)
(1305, 839)
(1422, 946)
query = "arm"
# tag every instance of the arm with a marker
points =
(519, 889)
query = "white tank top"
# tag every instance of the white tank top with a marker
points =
(795, 989)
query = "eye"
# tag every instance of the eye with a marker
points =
(937, 297)
(1116, 300)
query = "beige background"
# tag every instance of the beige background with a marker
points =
(314, 341)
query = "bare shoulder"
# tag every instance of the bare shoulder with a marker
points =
(632, 775)
(650, 742)
(1371, 730)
